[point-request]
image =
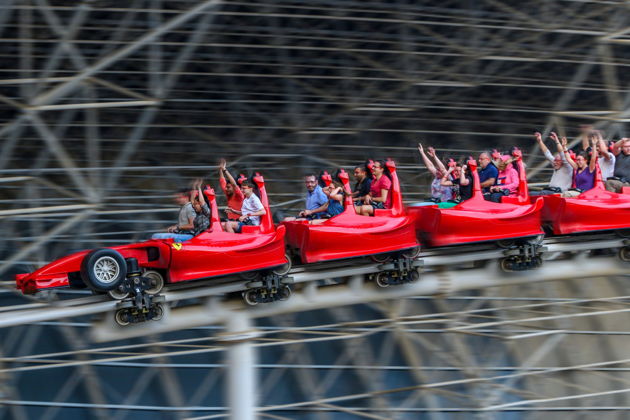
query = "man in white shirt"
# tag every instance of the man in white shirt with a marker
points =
(562, 177)
(606, 159)
(250, 211)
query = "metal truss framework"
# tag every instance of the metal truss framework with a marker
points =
(108, 106)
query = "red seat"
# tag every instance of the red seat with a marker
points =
(625, 190)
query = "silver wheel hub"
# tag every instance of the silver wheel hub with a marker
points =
(106, 269)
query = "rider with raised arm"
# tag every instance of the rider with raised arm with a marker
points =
(439, 191)
(232, 192)
(562, 177)
(584, 168)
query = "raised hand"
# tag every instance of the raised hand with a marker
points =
(538, 136)
(431, 152)
(420, 148)
(222, 164)
(554, 137)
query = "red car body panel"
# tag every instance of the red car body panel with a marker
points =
(212, 253)
(595, 209)
(350, 235)
(479, 220)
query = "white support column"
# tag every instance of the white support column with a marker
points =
(242, 391)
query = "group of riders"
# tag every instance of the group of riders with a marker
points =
(452, 181)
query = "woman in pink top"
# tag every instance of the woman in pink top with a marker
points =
(507, 181)
(379, 196)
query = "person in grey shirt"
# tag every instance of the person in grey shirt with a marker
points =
(184, 229)
(562, 177)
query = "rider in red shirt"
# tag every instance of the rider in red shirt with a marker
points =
(231, 190)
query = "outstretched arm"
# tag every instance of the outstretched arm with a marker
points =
(617, 146)
(592, 164)
(585, 131)
(446, 180)
(228, 175)
(427, 161)
(567, 155)
(559, 145)
(438, 162)
(540, 142)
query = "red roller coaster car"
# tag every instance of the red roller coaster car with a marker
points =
(515, 222)
(386, 236)
(593, 210)
(157, 261)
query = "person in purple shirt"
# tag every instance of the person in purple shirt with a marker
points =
(584, 168)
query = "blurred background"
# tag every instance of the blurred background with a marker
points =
(107, 107)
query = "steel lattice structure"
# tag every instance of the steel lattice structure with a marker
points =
(107, 106)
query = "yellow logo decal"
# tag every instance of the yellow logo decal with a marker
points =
(177, 246)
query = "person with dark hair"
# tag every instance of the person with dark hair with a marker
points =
(460, 180)
(334, 192)
(621, 179)
(364, 182)
(584, 168)
(250, 212)
(488, 173)
(202, 219)
(379, 196)
(183, 230)
(439, 191)
(232, 192)
(316, 200)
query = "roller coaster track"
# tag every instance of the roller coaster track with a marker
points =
(326, 285)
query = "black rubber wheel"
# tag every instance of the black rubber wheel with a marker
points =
(284, 268)
(250, 275)
(159, 312)
(414, 276)
(381, 258)
(121, 317)
(506, 265)
(284, 292)
(103, 269)
(157, 281)
(250, 297)
(624, 254)
(381, 280)
(116, 294)
(412, 253)
(506, 243)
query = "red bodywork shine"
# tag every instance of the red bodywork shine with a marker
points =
(479, 220)
(349, 235)
(212, 253)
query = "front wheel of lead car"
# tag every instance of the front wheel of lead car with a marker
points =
(103, 269)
